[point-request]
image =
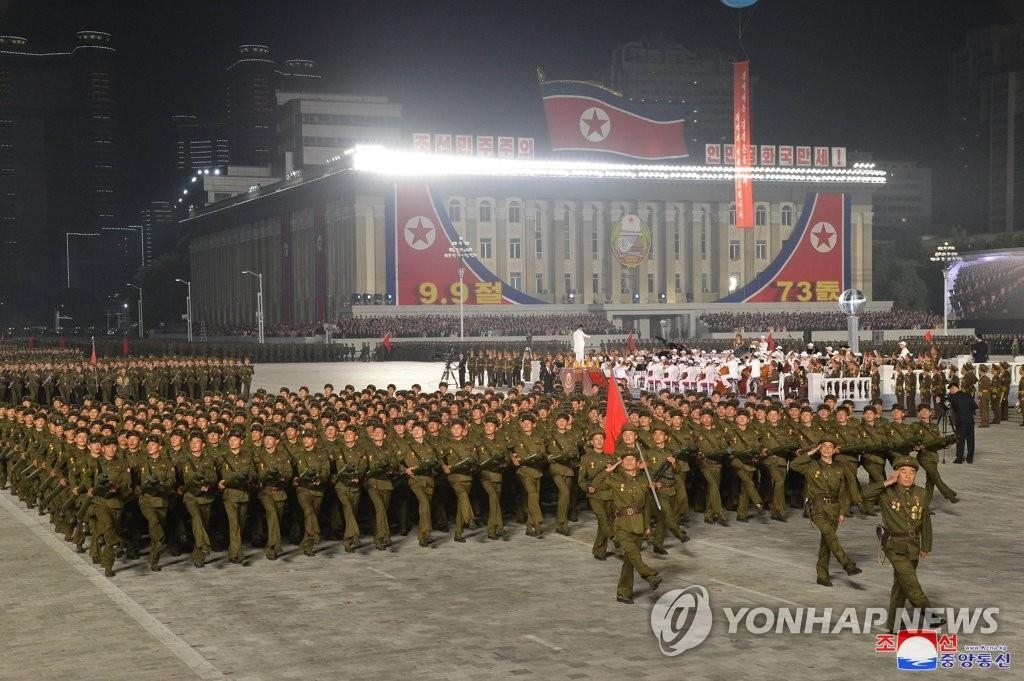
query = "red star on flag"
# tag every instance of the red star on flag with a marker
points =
(824, 237)
(595, 124)
(419, 232)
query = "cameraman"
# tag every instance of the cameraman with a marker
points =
(963, 407)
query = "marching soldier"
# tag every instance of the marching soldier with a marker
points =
(907, 535)
(629, 494)
(528, 458)
(827, 503)
(112, 484)
(381, 463)
(458, 463)
(562, 456)
(929, 434)
(662, 465)
(158, 479)
(778, 447)
(984, 395)
(274, 468)
(420, 462)
(492, 458)
(712, 445)
(236, 479)
(349, 469)
(313, 469)
(592, 471)
(747, 453)
(199, 475)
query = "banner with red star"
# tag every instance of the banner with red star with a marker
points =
(422, 265)
(586, 116)
(814, 264)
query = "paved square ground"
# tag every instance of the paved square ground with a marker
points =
(520, 608)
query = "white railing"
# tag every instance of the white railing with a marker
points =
(856, 389)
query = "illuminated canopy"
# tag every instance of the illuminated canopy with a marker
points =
(396, 163)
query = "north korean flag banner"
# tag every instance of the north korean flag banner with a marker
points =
(743, 190)
(814, 265)
(585, 116)
(419, 235)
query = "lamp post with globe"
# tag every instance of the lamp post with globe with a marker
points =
(851, 302)
(461, 250)
(948, 256)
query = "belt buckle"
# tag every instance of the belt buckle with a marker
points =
(630, 511)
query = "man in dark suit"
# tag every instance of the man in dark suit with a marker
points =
(963, 407)
(979, 350)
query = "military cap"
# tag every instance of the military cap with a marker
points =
(596, 430)
(236, 432)
(457, 422)
(154, 438)
(309, 432)
(109, 440)
(629, 428)
(215, 429)
(902, 461)
(491, 418)
(258, 427)
(898, 407)
(180, 432)
(272, 431)
(827, 438)
(81, 430)
(196, 434)
(95, 439)
(563, 415)
(419, 424)
(528, 416)
(627, 452)
(743, 412)
(351, 427)
(660, 426)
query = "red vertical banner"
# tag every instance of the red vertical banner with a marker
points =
(286, 266)
(741, 140)
(320, 260)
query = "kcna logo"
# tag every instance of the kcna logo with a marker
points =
(681, 619)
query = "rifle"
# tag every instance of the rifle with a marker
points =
(650, 482)
(784, 451)
(84, 511)
(310, 478)
(240, 481)
(426, 467)
(39, 470)
(195, 487)
(939, 442)
(45, 484)
(68, 504)
(465, 466)
(51, 496)
(151, 486)
(534, 460)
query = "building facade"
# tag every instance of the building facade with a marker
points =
(199, 145)
(321, 241)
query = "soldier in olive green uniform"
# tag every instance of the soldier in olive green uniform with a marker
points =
(907, 536)
(199, 474)
(562, 456)
(663, 467)
(313, 470)
(747, 453)
(492, 458)
(873, 435)
(592, 468)
(828, 503)
(274, 468)
(929, 435)
(237, 477)
(528, 456)
(350, 467)
(712, 446)
(419, 463)
(158, 478)
(628, 487)
(984, 394)
(381, 463)
(778, 445)
(459, 462)
(112, 484)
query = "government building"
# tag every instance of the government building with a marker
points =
(638, 242)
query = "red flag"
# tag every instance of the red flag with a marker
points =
(631, 343)
(928, 336)
(60, 342)
(92, 358)
(771, 342)
(124, 346)
(585, 116)
(614, 418)
(741, 141)
(386, 341)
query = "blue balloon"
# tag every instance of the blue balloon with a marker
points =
(738, 4)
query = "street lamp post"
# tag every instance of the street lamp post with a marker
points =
(188, 306)
(948, 256)
(259, 304)
(58, 317)
(139, 289)
(461, 250)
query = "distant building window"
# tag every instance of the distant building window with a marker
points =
(595, 283)
(515, 251)
(734, 249)
(455, 211)
(679, 283)
(485, 211)
(761, 216)
(732, 215)
(650, 283)
(485, 249)
(787, 216)
(761, 249)
(705, 282)
(514, 214)
(515, 280)
(540, 282)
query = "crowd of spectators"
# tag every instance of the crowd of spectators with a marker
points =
(984, 289)
(436, 325)
(745, 322)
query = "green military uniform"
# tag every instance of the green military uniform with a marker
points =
(422, 459)
(778, 440)
(562, 457)
(929, 435)
(459, 457)
(907, 536)
(747, 454)
(199, 474)
(108, 502)
(350, 467)
(274, 469)
(662, 464)
(237, 476)
(381, 461)
(984, 395)
(827, 501)
(313, 470)
(159, 478)
(529, 452)
(712, 445)
(492, 458)
(591, 475)
(873, 435)
(629, 496)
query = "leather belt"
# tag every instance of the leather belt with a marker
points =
(632, 510)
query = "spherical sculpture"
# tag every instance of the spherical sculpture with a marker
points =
(851, 302)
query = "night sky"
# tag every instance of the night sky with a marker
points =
(866, 74)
